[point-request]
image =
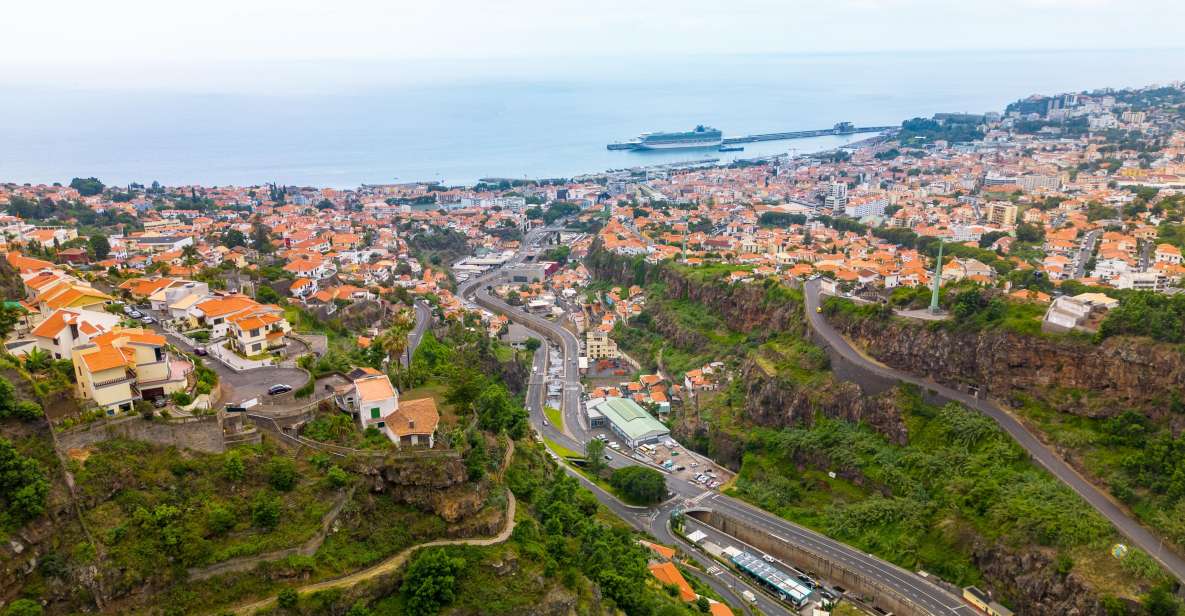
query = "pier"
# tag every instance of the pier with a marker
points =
(843, 128)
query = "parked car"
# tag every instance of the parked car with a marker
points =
(201, 352)
(276, 390)
(135, 314)
(128, 310)
(159, 402)
(147, 320)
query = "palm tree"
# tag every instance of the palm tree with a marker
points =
(189, 255)
(394, 339)
(36, 359)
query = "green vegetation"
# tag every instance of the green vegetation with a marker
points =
(555, 417)
(1145, 313)
(920, 131)
(639, 484)
(1140, 460)
(333, 426)
(24, 486)
(157, 512)
(959, 480)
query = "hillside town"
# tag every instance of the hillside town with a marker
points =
(321, 316)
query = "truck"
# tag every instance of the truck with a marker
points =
(749, 596)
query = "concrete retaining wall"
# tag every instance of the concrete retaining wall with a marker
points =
(199, 433)
(886, 598)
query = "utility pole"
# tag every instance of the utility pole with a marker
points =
(937, 281)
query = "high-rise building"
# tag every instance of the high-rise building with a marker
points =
(1001, 214)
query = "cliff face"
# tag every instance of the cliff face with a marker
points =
(1073, 377)
(775, 402)
(1030, 580)
(436, 484)
(748, 307)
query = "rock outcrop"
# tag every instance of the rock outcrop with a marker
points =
(436, 483)
(1030, 580)
(776, 402)
(1071, 376)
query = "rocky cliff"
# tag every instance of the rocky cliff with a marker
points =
(1032, 584)
(775, 402)
(438, 484)
(1072, 376)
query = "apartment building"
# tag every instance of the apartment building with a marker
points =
(1001, 214)
(598, 345)
(119, 367)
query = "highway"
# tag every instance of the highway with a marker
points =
(1128, 526)
(654, 520)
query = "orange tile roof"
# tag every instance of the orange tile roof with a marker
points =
(667, 573)
(373, 388)
(106, 358)
(420, 413)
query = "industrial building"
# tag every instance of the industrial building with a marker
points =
(626, 419)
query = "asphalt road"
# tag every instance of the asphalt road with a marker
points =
(423, 320)
(1127, 526)
(654, 520)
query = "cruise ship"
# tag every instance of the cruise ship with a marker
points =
(702, 137)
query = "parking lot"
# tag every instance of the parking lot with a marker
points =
(673, 457)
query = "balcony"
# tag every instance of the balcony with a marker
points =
(129, 376)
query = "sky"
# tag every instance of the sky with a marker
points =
(233, 44)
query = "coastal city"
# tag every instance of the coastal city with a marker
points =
(935, 371)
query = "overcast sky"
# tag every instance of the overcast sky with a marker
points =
(86, 43)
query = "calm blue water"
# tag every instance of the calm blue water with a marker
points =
(513, 120)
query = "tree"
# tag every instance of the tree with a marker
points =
(233, 238)
(594, 455)
(281, 474)
(23, 483)
(100, 246)
(87, 187)
(1160, 602)
(267, 295)
(9, 317)
(1026, 232)
(639, 484)
(265, 511)
(703, 604)
(261, 238)
(533, 344)
(431, 581)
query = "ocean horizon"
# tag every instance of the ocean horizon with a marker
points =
(342, 126)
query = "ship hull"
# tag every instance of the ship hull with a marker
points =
(681, 145)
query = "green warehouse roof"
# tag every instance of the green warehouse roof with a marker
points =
(630, 418)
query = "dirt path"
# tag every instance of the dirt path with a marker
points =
(395, 562)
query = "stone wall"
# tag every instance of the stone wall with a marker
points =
(199, 433)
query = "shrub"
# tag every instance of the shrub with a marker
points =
(23, 607)
(181, 398)
(233, 467)
(265, 511)
(338, 477)
(27, 410)
(219, 520)
(281, 474)
(306, 390)
(287, 598)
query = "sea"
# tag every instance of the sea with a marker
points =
(342, 125)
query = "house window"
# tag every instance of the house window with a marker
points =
(374, 413)
(255, 347)
(382, 424)
(254, 333)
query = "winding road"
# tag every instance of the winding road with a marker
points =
(923, 593)
(1127, 525)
